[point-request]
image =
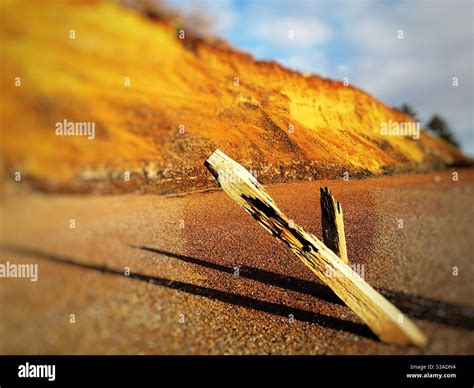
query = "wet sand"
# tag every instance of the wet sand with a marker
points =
(206, 278)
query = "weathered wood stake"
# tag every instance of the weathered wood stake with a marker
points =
(332, 221)
(383, 318)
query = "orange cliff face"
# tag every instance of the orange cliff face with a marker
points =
(160, 106)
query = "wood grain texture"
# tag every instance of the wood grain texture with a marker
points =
(332, 221)
(383, 318)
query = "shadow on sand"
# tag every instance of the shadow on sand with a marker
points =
(227, 297)
(414, 306)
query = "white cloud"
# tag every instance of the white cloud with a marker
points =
(342, 68)
(418, 69)
(315, 62)
(293, 32)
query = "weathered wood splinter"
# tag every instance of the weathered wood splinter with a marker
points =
(383, 318)
(332, 221)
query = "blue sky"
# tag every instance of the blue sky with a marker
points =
(359, 39)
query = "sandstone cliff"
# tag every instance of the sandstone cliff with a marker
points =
(162, 105)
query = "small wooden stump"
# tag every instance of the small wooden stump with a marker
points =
(383, 318)
(332, 221)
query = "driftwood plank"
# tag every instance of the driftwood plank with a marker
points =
(383, 318)
(332, 221)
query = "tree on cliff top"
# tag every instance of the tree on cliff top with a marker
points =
(440, 127)
(408, 110)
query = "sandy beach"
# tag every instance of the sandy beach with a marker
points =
(195, 274)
